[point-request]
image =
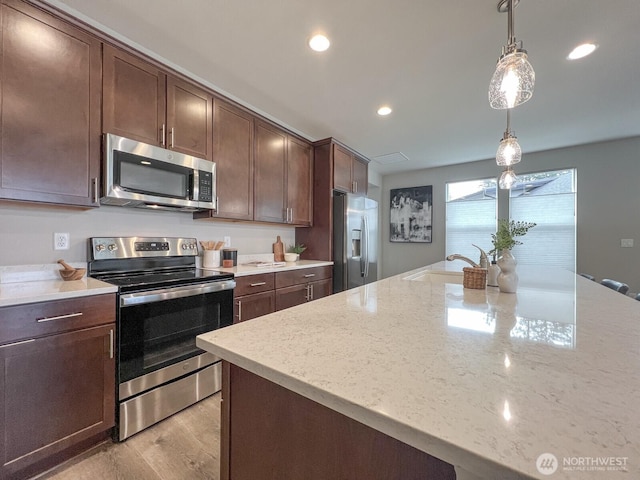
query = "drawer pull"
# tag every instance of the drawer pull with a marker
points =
(310, 275)
(59, 317)
(17, 343)
(258, 284)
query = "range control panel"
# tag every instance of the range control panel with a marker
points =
(105, 248)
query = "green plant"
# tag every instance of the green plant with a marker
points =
(298, 248)
(504, 238)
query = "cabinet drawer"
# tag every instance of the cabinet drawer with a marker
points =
(45, 318)
(254, 284)
(304, 275)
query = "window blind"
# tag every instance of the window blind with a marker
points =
(471, 219)
(553, 240)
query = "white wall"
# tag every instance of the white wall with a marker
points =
(608, 207)
(26, 231)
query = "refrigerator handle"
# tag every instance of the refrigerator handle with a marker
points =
(365, 246)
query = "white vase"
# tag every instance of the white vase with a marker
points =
(507, 278)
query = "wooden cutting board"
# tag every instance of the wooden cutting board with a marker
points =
(278, 250)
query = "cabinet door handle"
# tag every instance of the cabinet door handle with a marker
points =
(308, 275)
(18, 343)
(172, 137)
(59, 317)
(257, 284)
(94, 186)
(239, 310)
(111, 343)
(311, 292)
(306, 297)
(163, 135)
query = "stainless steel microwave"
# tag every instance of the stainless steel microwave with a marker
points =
(137, 174)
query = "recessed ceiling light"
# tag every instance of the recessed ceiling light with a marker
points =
(384, 111)
(319, 43)
(582, 51)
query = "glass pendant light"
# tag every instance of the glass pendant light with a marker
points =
(509, 151)
(513, 81)
(507, 179)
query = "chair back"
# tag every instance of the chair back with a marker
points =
(615, 285)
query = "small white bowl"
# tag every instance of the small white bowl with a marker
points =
(290, 257)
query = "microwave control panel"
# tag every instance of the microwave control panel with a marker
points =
(205, 186)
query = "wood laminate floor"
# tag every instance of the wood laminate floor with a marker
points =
(184, 446)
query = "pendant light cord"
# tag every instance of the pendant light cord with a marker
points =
(511, 40)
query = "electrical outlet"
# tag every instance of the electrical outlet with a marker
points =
(227, 241)
(626, 242)
(61, 241)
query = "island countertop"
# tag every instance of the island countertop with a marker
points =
(484, 380)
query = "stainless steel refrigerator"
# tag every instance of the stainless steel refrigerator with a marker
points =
(355, 241)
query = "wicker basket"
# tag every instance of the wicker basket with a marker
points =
(474, 278)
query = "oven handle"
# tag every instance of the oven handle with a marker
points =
(129, 299)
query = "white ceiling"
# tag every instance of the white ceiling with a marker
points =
(430, 60)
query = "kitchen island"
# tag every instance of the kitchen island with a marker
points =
(496, 385)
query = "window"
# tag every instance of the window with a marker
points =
(470, 216)
(549, 200)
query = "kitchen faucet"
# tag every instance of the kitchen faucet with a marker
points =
(484, 262)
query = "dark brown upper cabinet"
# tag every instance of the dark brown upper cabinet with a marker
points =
(299, 182)
(50, 123)
(270, 173)
(349, 171)
(335, 167)
(233, 155)
(283, 177)
(143, 102)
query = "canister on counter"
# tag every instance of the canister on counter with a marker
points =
(229, 257)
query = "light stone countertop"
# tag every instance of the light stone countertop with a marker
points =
(40, 283)
(484, 380)
(242, 269)
(44, 290)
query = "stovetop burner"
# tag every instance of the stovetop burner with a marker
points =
(127, 281)
(143, 263)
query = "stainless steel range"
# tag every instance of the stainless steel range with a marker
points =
(164, 302)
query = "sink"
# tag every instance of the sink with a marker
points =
(436, 276)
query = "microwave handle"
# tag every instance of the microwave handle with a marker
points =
(162, 294)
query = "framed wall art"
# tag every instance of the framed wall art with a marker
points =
(410, 214)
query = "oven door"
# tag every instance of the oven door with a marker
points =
(158, 328)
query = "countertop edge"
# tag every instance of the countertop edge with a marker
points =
(435, 447)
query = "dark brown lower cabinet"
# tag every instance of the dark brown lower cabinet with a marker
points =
(295, 287)
(252, 306)
(57, 392)
(257, 295)
(298, 294)
(270, 432)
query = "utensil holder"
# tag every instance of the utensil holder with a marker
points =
(211, 258)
